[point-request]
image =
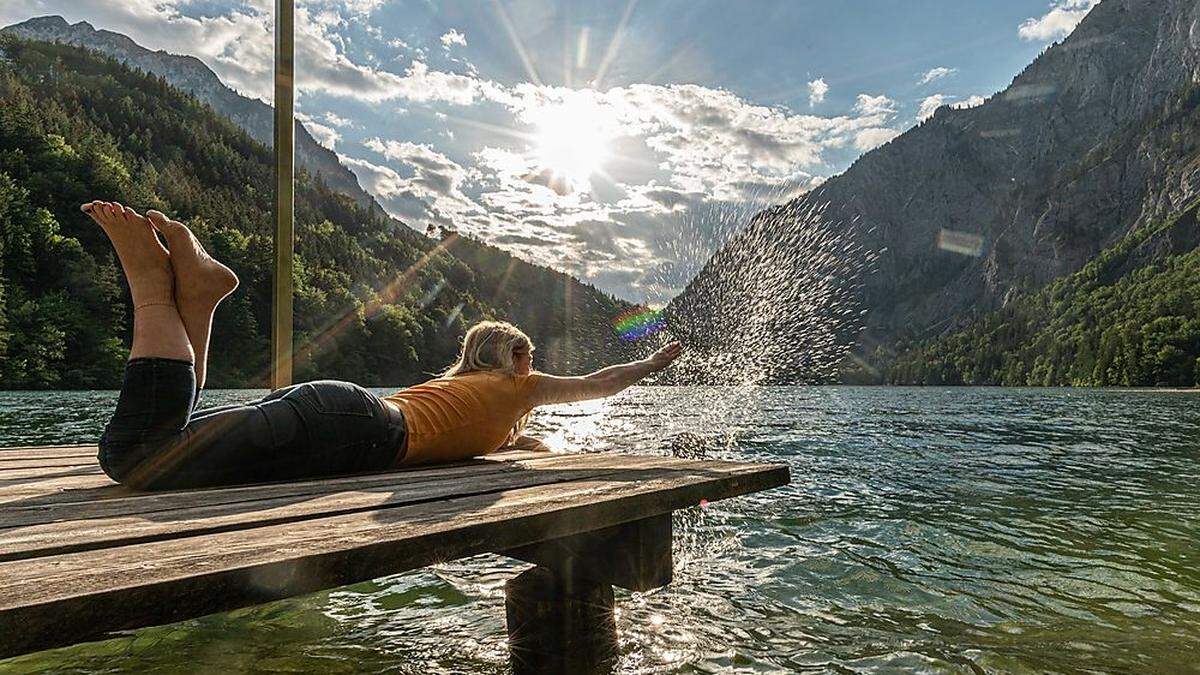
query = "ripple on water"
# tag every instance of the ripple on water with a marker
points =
(924, 529)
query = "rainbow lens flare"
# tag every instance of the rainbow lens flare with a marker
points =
(638, 323)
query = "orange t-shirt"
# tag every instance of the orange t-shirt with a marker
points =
(453, 418)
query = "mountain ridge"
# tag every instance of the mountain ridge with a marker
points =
(192, 75)
(1087, 144)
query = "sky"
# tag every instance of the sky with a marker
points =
(621, 141)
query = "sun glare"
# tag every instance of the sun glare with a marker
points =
(572, 138)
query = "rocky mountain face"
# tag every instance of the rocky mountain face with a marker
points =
(1095, 139)
(189, 74)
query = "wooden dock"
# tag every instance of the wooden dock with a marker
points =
(81, 557)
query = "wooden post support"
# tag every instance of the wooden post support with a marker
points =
(281, 286)
(559, 624)
(634, 555)
(560, 613)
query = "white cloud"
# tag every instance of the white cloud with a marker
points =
(337, 121)
(816, 91)
(357, 8)
(869, 139)
(970, 102)
(239, 46)
(693, 164)
(325, 135)
(936, 74)
(453, 37)
(930, 104)
(874, 105)
(689, 164)
(709, 139)
(1057, 23)
(428, 193)
(322, 66)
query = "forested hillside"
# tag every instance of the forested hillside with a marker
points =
(1118, 321)
(375, 303)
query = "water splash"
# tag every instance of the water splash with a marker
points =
(638, 322)
(780, 303)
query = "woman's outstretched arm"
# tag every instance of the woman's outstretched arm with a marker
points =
(604, 382)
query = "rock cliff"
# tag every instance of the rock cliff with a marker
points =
(1094, 139)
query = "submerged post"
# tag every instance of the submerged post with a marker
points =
(560, 613)
(281, 296)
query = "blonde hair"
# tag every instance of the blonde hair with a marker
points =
(489, 345)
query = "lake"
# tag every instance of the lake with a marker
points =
(939, 530)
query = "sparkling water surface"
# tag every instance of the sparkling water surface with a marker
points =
(938, 530)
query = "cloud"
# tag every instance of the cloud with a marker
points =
(322, 66)
(690, 164)
(687, 164)
(453, 37)
(238, 44)
(874, 105)
(355, 8)
(936, 74)
(710, 139)
(930, 104)
(816, 91)
(672, 199)
(337, 121)
(428, 192)
(1057, 23)
(969, 102)
(325, 135)
(869, 139)
(431, 170)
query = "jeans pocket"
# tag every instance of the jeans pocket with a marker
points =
(330, 397)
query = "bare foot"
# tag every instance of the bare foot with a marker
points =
(146, 263)
(200, 281)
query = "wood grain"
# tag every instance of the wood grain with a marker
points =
(144, 559)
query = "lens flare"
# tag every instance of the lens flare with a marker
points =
(638, 323)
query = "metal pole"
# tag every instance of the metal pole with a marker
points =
(281, 305)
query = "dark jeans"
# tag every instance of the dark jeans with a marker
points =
(155, 441)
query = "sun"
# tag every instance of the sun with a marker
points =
(572, 138)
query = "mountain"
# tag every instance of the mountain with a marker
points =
(1130, 317)
(974, 208)
(189, 74)
(375, 302)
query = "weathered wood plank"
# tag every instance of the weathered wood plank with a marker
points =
(194, 519)
(115, 500)
(84, 487)
(67, 598)
(13, 464)
(49, 491)
(42, 474)
(48, 452)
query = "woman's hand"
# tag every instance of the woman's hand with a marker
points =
(664, 356)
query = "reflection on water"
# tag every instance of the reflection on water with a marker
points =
(942, 530)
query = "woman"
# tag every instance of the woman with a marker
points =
(156, 440)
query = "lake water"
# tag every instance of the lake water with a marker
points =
(942, 530)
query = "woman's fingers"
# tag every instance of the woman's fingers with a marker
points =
(666, 354)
